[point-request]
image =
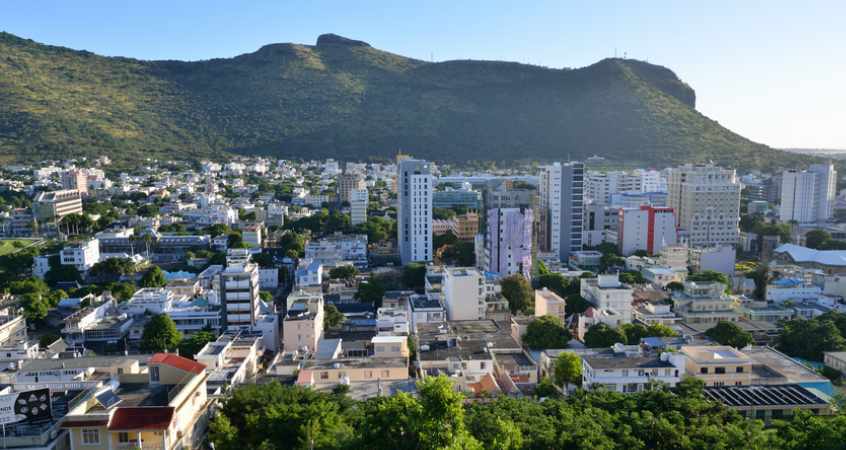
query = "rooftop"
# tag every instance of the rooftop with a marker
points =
(767, 395)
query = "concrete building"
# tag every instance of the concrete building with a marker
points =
(550, 303)
(464, 293)
(509, 241)
(706, 200)
(705, 302)
(347, 184)
(75, 179)
(457, 198)
(414, 217)
(561, 188)
(610, 296)
(600, 185)
(302, 327)
(647, 228)
(82, 255)
(358, 206)
(55, 205)
(239, 295)
(718, 365)
(628, 370)
(165, 407)
(808, 196)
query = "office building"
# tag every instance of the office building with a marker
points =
(808, 196)
(55, 205)
(509, 241)
(358, 206)
(561, 188)
(646, 228)
(706, 200)
(82, 255)
(414, 218)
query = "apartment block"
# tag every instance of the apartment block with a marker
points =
(414, 217)
(706, 200)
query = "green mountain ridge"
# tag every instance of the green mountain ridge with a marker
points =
(343, 98)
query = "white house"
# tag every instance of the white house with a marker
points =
(625, 369)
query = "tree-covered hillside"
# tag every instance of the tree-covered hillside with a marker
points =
(345, 99)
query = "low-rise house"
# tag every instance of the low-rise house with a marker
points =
(103, 324)
(628, 369)
(608, 294)
(165, 407)
(705, 303)
(232, 359)
(550, 303)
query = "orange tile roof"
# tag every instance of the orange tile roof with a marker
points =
(174, 360)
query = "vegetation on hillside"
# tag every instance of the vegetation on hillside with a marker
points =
(345, 99)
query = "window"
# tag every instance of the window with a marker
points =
(123, 437)
(703, 370)
(90, 436)
(739, 369)
(324, 375)
(154, 374)
(720, 370)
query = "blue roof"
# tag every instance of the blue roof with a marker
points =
(787, 282)
(179, 275)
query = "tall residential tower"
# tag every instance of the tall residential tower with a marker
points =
(415, 185)
(561, 188)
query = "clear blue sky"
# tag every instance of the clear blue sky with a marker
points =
(774, 71)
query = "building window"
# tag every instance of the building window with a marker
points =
(324, 375)
(90, 436)
(123, 437)
(739, 369)
(703, 370)
(720, 370)
(154, 374)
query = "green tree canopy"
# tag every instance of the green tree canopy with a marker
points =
(517, 290)
(332, 318)
(160, 334)
(346, 272)
(728, 333)
(810, 338)
(154, 277)
(602, 335)
(567, 370)
(546, 332)
(191, 345)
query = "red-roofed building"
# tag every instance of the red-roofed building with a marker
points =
(163, 408)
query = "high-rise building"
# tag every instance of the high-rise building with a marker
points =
(347, 183)
(414, 226)
(239, 292)
(509, 241)
(561, 188)
(646, 228)
(358, 206)
(75, 179)
(808, 196)
(706, 200)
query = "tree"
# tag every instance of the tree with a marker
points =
(35, 306)
(555, 282)
(576, 304)
(192, 345)
(632, 277)
(546, 332)
(160, 334)
(602, 335)
(674, 286)
(518, 292)
(816, 238)
(370, 291)
(708, 276)
(264, 260)
(761, 276)
(113, 268)
(47, 340)
(634, 332)
(332, 317)
(728, 333)
(414, 276)
(343, 272)
(442, 418)
(391, 422)
(154, 277)
(810, 338)
(567, 370)
(62, 273)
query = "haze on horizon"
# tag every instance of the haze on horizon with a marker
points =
(772, 72)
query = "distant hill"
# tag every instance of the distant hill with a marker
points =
(343, 98)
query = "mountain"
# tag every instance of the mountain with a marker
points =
(343, 98)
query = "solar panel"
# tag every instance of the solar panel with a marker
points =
(108, 399)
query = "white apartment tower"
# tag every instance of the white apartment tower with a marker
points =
(808, 196)
(239, 289)
(358, 206)
(561, 207)
(415, 185)
(706, 200)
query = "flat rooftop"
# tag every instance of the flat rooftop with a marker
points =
(788, 395)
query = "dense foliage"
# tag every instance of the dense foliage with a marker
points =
(352, 101)
(274, 416)
(546, 332)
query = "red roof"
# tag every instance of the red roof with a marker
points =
(83, 423)
(174, 360)
(142, 418)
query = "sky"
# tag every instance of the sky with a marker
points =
(773, 71)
